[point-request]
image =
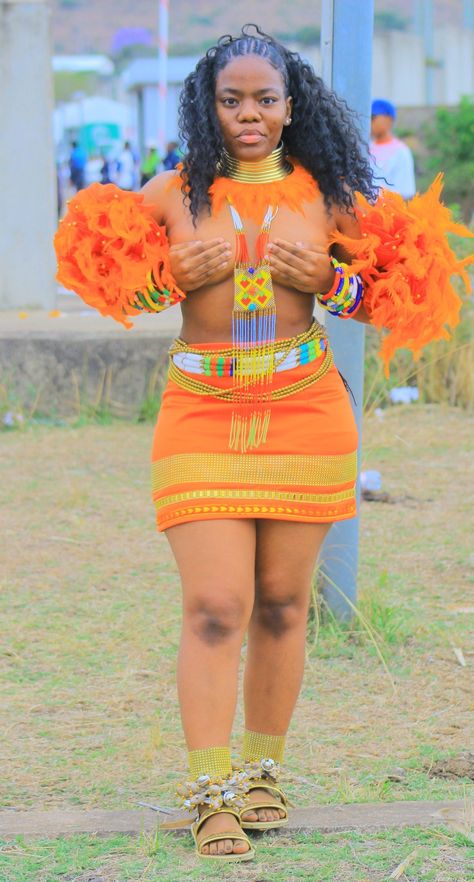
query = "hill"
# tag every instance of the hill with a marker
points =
(83, 26)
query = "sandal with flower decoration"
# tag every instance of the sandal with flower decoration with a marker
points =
(218, 837)
(263, 775)
(211, 796)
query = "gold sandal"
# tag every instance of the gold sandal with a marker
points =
(216, 837)
(264, 784)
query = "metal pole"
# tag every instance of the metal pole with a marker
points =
(346, 49)
(468, 14)
(28, 201)
(163, 28)
(428, 41)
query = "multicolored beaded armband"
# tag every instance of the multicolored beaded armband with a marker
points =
(345, 296)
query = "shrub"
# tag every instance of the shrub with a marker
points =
(449, 140)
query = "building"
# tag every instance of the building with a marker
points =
(401, 72)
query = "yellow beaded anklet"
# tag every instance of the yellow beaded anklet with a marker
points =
(213, 761)
(258, 745)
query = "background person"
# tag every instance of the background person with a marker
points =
(77, 166)
(126, 168)
(150, 165)
(392, 159)
(173, 156)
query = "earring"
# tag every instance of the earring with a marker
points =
(288, 121)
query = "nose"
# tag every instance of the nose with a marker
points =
(249, 111)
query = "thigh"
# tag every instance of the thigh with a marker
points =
(286, 555)
(215, 558)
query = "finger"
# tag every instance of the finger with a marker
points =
(222, 249)
(292, 258)
(290, 277)
(298, 248)
(192, 260)
(199, 247)
(202, 265)
(211, 266)
(284, 268)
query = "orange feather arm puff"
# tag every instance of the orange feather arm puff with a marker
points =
(406, 263)
(113, 254)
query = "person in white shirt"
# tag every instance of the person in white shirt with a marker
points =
(126, 168)
(392, 160)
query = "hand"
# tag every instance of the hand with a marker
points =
(192, 263)
(296, 266)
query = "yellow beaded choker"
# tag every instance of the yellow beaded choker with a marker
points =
(275, 167)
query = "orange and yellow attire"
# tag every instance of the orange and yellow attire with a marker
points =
(302, 466)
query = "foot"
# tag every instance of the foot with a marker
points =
(261, 795)
(225, 823)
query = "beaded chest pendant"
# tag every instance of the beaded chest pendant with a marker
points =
(253, 338)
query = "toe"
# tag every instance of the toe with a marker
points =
(240, 847)
(250, 816)
(229, 847)
(213, 848)
(205, 849)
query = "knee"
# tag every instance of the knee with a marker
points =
(279, 608)
(215, 620)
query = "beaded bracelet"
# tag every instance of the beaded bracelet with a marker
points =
(345, 296)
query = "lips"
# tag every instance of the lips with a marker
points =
(250, 136)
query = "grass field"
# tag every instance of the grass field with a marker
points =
(90, 605)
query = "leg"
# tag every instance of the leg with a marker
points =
(216, 560)
(285, 558)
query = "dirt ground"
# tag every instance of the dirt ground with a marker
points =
(90, 608)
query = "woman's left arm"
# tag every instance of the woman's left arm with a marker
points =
(347, 223)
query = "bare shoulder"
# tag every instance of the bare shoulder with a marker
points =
(162, 192)
(345, 220)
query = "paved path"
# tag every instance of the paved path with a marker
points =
(325, 819)
(76, 320)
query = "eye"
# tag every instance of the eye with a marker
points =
(229, 102)
(269, 100)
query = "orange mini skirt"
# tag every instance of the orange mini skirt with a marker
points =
(306, 468)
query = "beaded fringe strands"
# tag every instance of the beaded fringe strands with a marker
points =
(253, 337)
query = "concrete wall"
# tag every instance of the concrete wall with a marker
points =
(27, 175)
(399, 69)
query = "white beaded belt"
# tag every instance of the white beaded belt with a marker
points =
(215, 365)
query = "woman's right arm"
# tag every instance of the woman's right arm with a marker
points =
(194, 262)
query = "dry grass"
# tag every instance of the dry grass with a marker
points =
(90, 599)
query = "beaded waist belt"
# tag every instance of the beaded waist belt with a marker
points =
(300, 350)
(222, 364)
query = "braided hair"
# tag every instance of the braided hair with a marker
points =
(323, 135)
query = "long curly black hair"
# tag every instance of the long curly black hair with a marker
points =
(323, 135)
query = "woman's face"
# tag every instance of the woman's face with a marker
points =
(251, 107)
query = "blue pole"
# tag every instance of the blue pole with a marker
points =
(346, 45)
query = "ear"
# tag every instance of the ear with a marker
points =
(289, 107)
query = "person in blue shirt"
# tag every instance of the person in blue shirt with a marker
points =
(77, 165)
(173, 156)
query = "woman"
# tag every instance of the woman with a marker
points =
(254, 454)
(252, 572)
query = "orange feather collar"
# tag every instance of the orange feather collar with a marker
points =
(252, 200)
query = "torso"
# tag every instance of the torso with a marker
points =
(207, 311)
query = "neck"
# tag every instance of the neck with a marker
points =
(384, 139)
(274, 167)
